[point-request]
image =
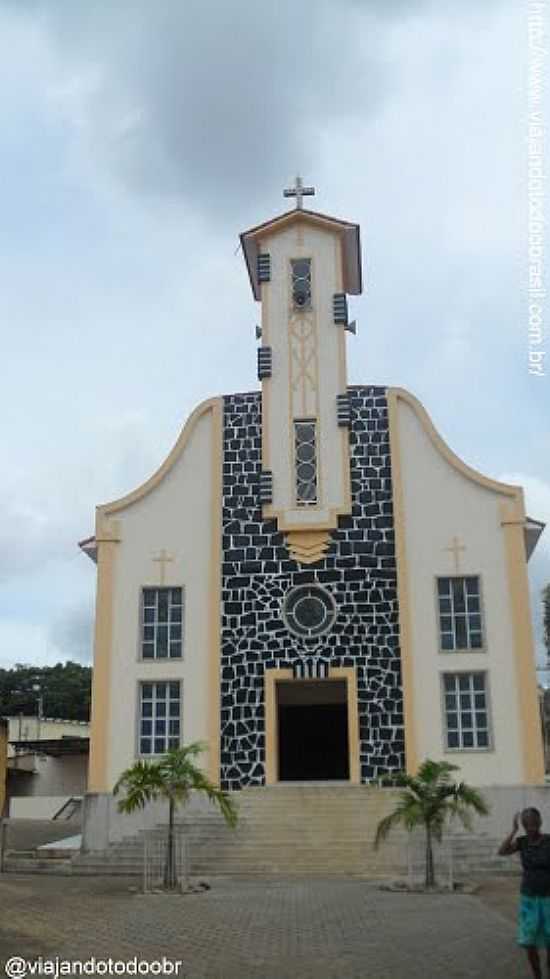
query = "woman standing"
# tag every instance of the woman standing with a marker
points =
(534, 903)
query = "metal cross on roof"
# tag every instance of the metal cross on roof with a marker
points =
(299, 192)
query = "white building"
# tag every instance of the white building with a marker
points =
(313, 583)
(47, 762)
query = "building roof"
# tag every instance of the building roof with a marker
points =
(532, 531)
(89, 546)
(55, 747)
(351, 245)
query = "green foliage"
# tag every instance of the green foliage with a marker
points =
(65, 689)
(432, 799)
(174, 777)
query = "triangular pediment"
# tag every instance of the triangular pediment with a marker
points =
(349, 232)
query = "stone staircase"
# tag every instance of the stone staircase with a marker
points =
(302, 831)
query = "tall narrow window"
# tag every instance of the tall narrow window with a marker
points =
(159, 717)
(301, 282)
(305, 446)
(162, 623)
(466, 710)
(459, 613)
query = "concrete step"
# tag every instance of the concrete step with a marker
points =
(33, 865)
(294, 831)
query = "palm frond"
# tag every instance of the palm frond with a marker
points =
(431, 798)
(471, 797)
(466, 802)
(436, 772)
(175, 776)
(142, 783)
(385, 827)
(408, 813)
(220, 798)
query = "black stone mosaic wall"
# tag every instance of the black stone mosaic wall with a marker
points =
(359, 571)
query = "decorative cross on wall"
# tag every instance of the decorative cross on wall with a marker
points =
(299, 192)
(455, 549)
(163, 558)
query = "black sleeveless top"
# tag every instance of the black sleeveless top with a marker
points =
(535, 860)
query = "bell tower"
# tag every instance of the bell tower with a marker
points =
(302, 266)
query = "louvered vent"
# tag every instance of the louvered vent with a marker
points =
(343, 409)
(265, 361)
(340, 308)
(264, 267)
(266, 486)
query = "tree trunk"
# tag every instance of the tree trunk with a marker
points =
(170, 875)
(430, 876)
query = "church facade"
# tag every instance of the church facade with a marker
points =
(313, 584)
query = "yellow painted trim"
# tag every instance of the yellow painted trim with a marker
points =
(107, 536)
(512, 521)
(343, 380)
(215, 591)
(405, 612)
(265, 384)
(167, 465)
(271, 678)
(271, 734)
(299, 373)
(269, 511)
(308, 547)
(285, 526)
(399, 394)
(274, 227)
(349, 674)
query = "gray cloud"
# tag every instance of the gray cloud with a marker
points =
(217, 102)
(42, 517)
(72, 633)
(140, 137)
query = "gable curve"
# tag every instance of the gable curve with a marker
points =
(505, 489)
(211, 404)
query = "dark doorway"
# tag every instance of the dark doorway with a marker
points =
(313, 731)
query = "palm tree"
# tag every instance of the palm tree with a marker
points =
(173, 777)
(431, 799)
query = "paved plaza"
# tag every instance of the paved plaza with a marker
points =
(241, 929)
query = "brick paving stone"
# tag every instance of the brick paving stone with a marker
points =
(265, 929)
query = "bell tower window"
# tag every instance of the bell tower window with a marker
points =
(301, 283)
(305, 446)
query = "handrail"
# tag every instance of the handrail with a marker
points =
(74, 800)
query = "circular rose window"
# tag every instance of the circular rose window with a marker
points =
(309, 610)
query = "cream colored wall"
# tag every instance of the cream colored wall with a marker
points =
(38, 807)
(439, 502)
(326, 370)
(176, 515)
(59, 777)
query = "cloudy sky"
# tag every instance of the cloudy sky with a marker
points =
(138, 139)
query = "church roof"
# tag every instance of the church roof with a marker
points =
(351, 242)
(56, 747)
(532, 529)
(89, 546)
